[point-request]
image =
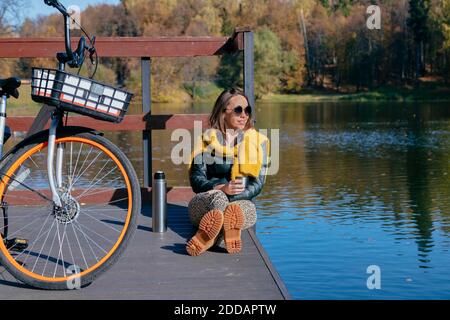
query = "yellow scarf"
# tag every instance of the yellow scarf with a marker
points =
(247, 155)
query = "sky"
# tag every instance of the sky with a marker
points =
(38, 7)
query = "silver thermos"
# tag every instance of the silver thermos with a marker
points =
(159, 203)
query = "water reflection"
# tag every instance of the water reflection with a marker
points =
(381, 170)
(418, 165)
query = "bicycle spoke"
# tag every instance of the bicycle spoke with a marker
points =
(79, 245)
(85, 191)
(31, 159)
(87, 241)
(70, 163)
(39, 236)
(50, 251)
(30, 189)
(8, 224)
(76, 162)
(97, 245)
(79, 176)
(22, 216)
(96, 233)
(11, 248)
(98, 192)
(61, 242)
(109, 209)
(87, 214)
(90, 194)
(82, 165)
(15, 232)
(83, 232)
(91, 182)
(103, 204)
(104, 215)
(42, 248)
(71, 253)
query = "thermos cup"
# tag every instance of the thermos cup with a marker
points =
(244, 180)
(159, 203)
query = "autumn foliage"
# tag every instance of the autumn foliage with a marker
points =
(340, 53)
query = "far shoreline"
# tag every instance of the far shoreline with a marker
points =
(425, 94)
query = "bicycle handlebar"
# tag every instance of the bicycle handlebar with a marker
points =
(73, 58)
(56, 4)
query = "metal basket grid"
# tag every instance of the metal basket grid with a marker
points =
(81, 95)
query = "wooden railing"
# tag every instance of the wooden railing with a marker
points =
(145, 49)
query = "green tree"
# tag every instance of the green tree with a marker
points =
(230, 66)
(292, 74)
(229, 73)
(268, 61)
(446, 23)
(418, 23)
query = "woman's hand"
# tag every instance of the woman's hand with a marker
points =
(232, 188)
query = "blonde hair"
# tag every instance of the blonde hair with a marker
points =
(217, 116)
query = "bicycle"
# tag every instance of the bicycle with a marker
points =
(69, 197)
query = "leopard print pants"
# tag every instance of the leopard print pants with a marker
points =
(217, 199)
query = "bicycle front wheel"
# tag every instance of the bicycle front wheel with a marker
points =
(67, 247)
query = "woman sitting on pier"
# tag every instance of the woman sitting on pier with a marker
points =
(231, 150)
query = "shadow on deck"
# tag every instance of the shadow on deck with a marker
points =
(156, 266)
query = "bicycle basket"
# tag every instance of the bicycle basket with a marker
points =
(77, 94)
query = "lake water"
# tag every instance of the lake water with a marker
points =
(359, 185)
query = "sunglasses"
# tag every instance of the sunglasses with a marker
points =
(239, 109)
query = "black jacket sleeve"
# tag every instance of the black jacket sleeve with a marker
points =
(199, 180)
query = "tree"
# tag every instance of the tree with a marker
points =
(446, 23)
(418, 23)
(8, 9)
(229, 71)
(9, 13)
(268, 61)
(414, 40)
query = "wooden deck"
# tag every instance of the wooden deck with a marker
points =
(156, 266)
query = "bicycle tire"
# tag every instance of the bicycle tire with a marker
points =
(88, 275)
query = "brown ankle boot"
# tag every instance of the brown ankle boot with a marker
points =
(233, 221)
(208, 230)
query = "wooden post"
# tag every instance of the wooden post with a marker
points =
(249, 75)
(147, 109)
(249, 67)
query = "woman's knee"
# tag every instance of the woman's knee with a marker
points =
(204, 202)
(197, 208)
(218, 200)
